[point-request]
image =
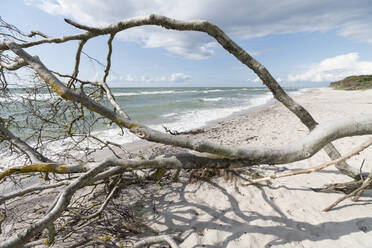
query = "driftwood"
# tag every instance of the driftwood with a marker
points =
(201, 155)
(175, 132)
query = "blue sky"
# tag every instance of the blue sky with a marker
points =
(302, 43)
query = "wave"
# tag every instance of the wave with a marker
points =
(193, 117)
(172, 92)
(299, 92)
(169, 115)
(144, 93)
(186, 120)
(216, 99)
(47, 96)
(207, 91)
(261, 100)
(19, 97)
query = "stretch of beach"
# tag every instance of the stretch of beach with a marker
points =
(287, 213)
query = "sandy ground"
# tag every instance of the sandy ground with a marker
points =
(288, 213)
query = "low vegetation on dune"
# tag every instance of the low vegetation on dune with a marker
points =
(361, 82)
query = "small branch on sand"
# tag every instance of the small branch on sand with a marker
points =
(192, 131)
(74, 106)
(314, 169)
(357, 192)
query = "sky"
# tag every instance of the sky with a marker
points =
(302, 43)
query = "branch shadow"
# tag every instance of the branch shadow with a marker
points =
(192, 220)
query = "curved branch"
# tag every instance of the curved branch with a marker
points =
(104, 85)
(77, 63)
(177, 161)
(319, 136)
(234, 157)
(226, 43)
(80, 26)
(108, 65)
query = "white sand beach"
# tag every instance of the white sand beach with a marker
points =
(287, 213)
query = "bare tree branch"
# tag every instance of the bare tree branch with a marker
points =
(23, 237)
(12, 67)
(203, 154)
(318, 138)
(357, 192)
(34, 155)
(226, 43)
(104, 204)
(80, 26)
(104, 85)
(314, 169)
(77, 63)
(44, 167)
(35, 33)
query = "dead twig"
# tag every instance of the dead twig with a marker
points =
(357, 192)
(314, 169)
(175, 132)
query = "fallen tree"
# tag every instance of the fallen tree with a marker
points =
(85, 97)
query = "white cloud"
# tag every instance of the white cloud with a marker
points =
(240, 18)
(177, 77)
(332, 69)
(172, 78)
(189, 45)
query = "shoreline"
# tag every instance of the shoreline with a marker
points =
(133, 144)
(270, 102)
(139, 145)
(286, 213)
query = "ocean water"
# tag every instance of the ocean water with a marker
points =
(183, 109)
(177, 109)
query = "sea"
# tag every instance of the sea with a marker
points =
(182, 109)
(187, 108)
(178, 109)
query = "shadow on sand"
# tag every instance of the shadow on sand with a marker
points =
(173, 210)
